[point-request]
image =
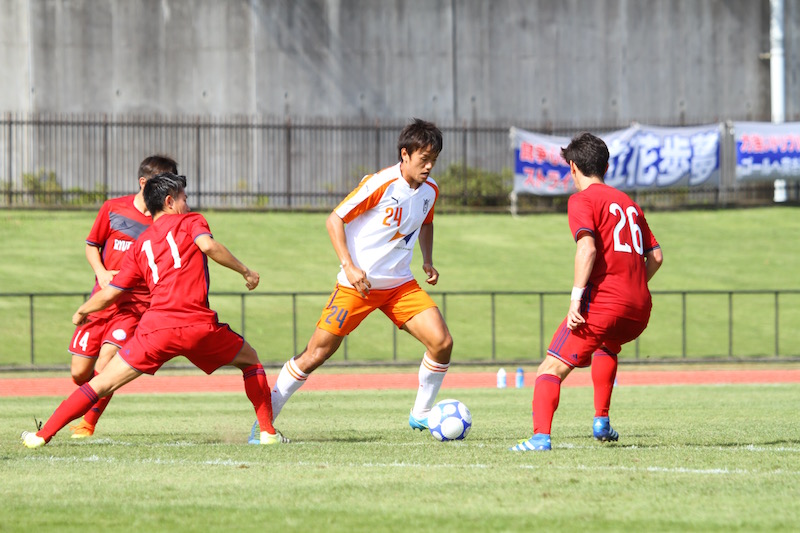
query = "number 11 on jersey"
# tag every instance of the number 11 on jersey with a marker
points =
(147, 248)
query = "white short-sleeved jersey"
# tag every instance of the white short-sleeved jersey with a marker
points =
(383, 216)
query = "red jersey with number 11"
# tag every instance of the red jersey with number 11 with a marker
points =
(618, 282)
(175, 270)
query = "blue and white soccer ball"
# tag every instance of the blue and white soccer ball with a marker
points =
(449, 420)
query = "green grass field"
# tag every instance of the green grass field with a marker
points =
(690, 458)
(704, 250)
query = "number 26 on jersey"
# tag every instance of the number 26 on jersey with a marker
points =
(627, 217)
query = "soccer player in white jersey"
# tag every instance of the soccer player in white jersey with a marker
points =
(373, 232)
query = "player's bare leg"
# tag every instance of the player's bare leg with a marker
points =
(431, 330)
(82, 369)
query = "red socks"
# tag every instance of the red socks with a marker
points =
(93, 414)
(257, 390)
(75, 406)
(604, 372)
(546, 394)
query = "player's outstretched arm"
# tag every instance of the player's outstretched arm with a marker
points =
(95, 259)
(653, 261)
(220, 254)
(99, 301)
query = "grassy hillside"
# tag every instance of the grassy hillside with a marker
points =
(704, 250)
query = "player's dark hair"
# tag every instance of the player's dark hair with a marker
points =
(589, 153)
(419, 135)
(159, 187)
(157, 164)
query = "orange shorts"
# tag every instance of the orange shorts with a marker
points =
(347, 308)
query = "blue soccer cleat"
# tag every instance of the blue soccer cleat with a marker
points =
(602, 429)
(417, 423)
(540, 442)
(255, 434)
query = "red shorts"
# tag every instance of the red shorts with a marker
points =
(116, 330)
(575, 347)
(347, 308)
(207, 346)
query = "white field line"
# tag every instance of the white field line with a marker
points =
(402, 465)
(560, 446)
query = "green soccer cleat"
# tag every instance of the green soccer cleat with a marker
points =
(269, 439)
(262, 437)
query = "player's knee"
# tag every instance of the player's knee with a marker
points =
(443, 348)
(79, 378)
(247, 356)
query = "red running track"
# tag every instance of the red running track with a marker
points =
(161, 384)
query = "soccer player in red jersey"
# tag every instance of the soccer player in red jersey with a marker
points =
(170, 259)
(610, 304)
(118, 224)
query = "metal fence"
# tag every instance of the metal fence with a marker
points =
(73, 161)
(488, 327)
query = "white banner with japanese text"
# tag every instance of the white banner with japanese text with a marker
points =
(641, 157)
(766, 151)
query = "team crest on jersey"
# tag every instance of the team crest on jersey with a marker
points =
(426, 205)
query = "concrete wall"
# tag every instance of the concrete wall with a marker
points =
(528, 62)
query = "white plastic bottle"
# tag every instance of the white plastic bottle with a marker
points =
(501, 378)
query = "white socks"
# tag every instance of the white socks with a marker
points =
(289, 380)
(431, 375)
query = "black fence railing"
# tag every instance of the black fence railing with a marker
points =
(77, 161)
(488, 327)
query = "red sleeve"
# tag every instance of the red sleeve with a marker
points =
(129, 275)
(648, 239)
(581, 216)
(198, 225)
(102, 227)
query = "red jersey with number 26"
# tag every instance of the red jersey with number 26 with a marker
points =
(618, 282)
(175, 270)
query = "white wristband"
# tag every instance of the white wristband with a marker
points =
(577, 293)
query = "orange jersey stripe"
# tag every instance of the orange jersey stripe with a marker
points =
(368, 203)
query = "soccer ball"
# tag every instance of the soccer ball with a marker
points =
(449, 420)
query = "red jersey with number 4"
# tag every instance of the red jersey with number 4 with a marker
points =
(618, 282)
(175, 270)
(117, 226)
